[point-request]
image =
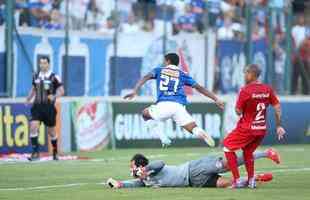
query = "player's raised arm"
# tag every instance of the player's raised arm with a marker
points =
(139, 84)
(59, 93)
(209, 94)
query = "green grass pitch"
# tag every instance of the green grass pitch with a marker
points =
(80, 179)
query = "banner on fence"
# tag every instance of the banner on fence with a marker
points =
(91, 123)
(130, 130)
(14, 129)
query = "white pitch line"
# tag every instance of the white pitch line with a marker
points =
(288, 170)
(44, 187)
(103, 183)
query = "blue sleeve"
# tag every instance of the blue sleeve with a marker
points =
(189, 81)
(154, 73)
(132, 183)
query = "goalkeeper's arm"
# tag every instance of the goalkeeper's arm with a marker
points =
(133, 183)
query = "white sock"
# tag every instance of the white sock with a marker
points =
(54, 137)
(33, 135)
(198, 131)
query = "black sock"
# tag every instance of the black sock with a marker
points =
(35, 144)
(54, 145)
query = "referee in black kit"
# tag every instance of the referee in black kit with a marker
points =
(46, 88)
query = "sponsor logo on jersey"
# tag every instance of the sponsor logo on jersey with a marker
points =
(260, 95)
(253, 127)
(170, 72)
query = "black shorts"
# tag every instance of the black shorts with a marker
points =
(45, 113)
(211, 182)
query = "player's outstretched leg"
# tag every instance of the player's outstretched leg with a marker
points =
(273, 155)
(195, 130)
(52, 133)
(153, 127)
(34, 127)
(270, 153)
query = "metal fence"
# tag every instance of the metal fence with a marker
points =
(214, 39)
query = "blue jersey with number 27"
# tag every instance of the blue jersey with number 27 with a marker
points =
(170, 82)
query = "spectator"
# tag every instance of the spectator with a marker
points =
(125, 9)
(130, 26)
(299, 36)
(145, 10)
(238, 30)
(226, 31)
(2, 7)
(279, 62)
(77, 12)
(106, 7)
(166, 9)
(277, 14)
(214, 10)
(39, 11)
(187, 22)
(24, 18)
(305, 61)
(299, 31)
(258, 31)
(94, 16)
(198, 8)
(55, 22)
(108, 27)
(227, 6)
(148, 26)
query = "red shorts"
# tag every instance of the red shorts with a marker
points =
(239, 139)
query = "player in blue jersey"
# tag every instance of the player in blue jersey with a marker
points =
(171, 98)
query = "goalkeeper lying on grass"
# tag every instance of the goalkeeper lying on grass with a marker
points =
(196, 173)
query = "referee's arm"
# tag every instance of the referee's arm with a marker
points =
(31, 94)
(60, 91)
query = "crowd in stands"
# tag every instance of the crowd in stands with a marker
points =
(227, 18)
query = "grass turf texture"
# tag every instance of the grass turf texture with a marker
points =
(291, 178)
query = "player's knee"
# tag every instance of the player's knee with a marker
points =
(190, 127)
(51, 132)
(34, 126)
(146, 115)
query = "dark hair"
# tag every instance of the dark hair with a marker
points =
(173, 58)
(140, 160)
(255, 69)
(45, 58)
